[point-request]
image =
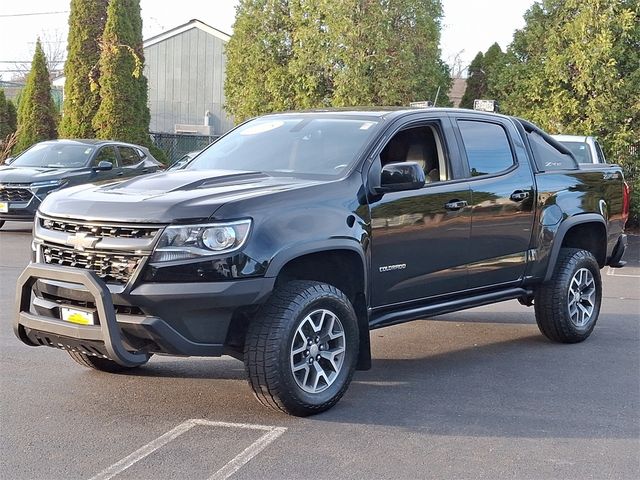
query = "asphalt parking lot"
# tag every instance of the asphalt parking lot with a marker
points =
(475, 394)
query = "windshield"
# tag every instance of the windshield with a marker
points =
(580, 150)
(305, 144)
(54, 155)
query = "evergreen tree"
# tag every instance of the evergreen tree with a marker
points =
(12, 116)
(86, 26)
(494, 62)
(37, 114)
(484, 71)
(5, 127)
(123, 113)
(476, 82)
(292, 54)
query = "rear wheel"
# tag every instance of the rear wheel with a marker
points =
(102, 364)
(301, 349)
(568, 306)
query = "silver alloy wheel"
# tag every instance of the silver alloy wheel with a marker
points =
(317, 351)
(581, 301)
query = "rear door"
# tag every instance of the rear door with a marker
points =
(502, 199)
(420, 237)
(132, 162)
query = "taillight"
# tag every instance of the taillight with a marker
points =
(626, 200)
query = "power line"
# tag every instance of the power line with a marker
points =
(31, 14)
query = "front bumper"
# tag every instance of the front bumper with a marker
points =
(177, 319)
(21, 211)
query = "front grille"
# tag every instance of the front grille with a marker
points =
(111, 267)
(97, 230)
(15, 195)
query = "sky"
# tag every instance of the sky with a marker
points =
(469, 26)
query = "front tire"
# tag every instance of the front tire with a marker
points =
(302, 347)
(568, 306)
(102, 364)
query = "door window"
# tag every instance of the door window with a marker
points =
(421, 145)
(128, 156)
(106, 154)
(487, 146)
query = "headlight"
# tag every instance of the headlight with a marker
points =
(182, 242)
(48, 183)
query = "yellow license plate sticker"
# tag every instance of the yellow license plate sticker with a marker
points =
(81, 317)
(4, 207)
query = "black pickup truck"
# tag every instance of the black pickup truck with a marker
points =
(287, 240)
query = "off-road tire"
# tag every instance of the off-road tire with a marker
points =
(102, 364)
(552, 298)
(269, 346)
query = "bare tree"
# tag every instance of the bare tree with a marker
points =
(457, 66)
(55, 49)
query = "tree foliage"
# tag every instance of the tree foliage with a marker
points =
(484, 72)
(574, 69)
(476, 82)
(37, 114)
(7, 116)
(123, 113)
(292, 54)
(86, 26)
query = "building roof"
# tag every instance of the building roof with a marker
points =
(457, 90)
(183, 28)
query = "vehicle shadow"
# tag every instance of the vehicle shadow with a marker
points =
(428, 377)
(521, 387)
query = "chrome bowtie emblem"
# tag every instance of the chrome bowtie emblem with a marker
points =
(80, 241)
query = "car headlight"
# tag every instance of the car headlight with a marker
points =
(181, 242)
(47, 183)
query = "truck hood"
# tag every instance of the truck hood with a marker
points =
(165, 197)
(10, 174)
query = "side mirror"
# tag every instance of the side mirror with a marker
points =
(400, 176)
(8, 160)
(103, 166)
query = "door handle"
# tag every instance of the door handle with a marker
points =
(119, 174)
(455, 204)
(519, 195)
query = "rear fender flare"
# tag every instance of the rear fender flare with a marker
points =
(564, 227)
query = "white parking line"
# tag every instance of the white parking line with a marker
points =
(611, 273)
(225, 472)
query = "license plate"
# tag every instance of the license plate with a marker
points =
(81, 317)
(4, 207)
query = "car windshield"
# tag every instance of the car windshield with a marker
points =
(286, 144)
(54, 155)
(580, 150)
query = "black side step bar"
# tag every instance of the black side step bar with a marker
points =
(387, 318)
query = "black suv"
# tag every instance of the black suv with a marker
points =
(287, 240)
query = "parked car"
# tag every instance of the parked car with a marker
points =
(290, 238)
(586, 149)
(56, 164)
(183, 160)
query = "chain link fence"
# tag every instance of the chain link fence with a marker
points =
(175, 145)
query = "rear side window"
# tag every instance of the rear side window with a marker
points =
(129, 156)
(548, 157)
(601, 158)
(487, 147)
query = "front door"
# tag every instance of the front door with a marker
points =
(420, 237)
